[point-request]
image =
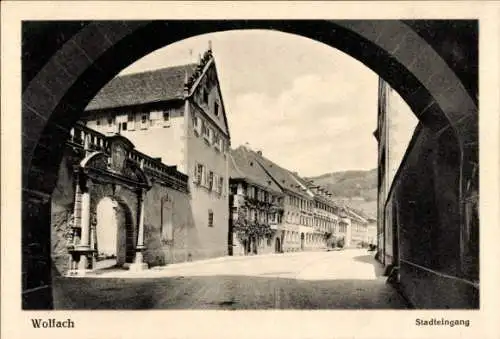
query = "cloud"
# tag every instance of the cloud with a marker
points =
(320, 123)
(308, 106)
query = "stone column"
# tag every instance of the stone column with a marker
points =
(75, 226)
(84, 245)
(139, 263)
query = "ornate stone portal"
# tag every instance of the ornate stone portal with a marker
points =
(115, 166)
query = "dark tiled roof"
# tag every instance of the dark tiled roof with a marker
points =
(283, 177)
(244, 165)
(140, 88)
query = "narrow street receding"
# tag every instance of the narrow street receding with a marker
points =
(349, 279)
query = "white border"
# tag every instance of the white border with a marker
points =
(250, 324)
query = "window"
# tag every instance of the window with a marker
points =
(210, 180)
(166, 119)
(123, 126)
(205, 131)
(253, 215)
(216, 141)
(111, 127)
(210, 218)
(205, 96)
(198, 174)
(144, 120)
(216, 108)
(198, 125)
(130, 121)
(210, 135)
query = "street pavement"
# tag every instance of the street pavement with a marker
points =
(349, 279)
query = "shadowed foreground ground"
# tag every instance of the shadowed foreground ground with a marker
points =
(313, 280)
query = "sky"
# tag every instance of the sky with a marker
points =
(307, 106)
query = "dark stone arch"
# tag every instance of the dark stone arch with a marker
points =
(86, 58)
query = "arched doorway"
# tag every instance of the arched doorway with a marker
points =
(114, 236)
(411, 62)
(106, 233)
(302, 240)
(277, 245)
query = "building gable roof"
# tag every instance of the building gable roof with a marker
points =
(243, 165)
(283, 177)
(209, 71)
(140, 88)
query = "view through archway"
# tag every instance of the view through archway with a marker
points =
(431, 119)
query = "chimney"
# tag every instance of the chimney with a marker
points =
(259, 152)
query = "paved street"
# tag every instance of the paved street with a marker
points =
(349, 279)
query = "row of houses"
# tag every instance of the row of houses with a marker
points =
(276, 210)
(149, 178)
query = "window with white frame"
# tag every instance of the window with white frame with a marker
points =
(210, 182)
(199, 173)
(216, 141)
(111, 126)
(130, 121)
(210, 135)
(215, 186)
(121, 120)
(198, 125)
(253, 214)
(205, 130)
(144, 120)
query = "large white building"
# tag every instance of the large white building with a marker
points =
(177, 116)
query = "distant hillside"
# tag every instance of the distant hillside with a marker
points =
(357, 188)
